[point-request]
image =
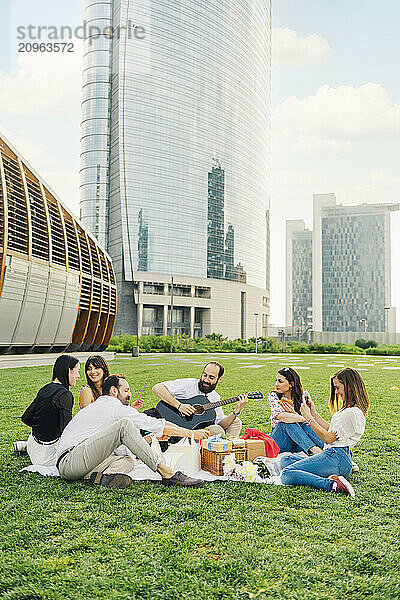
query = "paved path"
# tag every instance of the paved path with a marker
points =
(9, 361)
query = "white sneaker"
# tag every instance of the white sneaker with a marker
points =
(20, 446)
(342, 486)
(355, 468)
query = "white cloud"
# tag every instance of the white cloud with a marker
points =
(40, 115)
(384, 180)
(377, 187)
(291, 186)
(341, 114)
(31, 150)
(45, 83)
(289, 142)
(49, 165)
(293, 178)
(290, 49)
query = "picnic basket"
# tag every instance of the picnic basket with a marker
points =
(213, 461)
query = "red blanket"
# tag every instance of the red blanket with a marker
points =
(271, 447)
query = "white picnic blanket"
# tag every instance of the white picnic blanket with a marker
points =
(142, 472)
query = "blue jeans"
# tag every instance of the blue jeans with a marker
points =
(315, 470)
(295, 437)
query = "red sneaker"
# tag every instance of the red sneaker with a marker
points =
(342, 486)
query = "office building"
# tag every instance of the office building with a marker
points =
(175, 171)
(57, 285)
(298, 274)
(351, 265)
(338, 276)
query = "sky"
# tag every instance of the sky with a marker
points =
(335, 110)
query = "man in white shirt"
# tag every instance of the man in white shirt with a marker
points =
(175, 393)
(87, 444)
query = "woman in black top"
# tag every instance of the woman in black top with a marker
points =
(51, 411)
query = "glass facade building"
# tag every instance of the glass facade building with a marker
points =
(351, 265)
(176, 146)
(299, 274)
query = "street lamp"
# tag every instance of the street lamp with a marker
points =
(256, 323)
(365, 324)
(136, 349)
(172, 316)
(387, 308)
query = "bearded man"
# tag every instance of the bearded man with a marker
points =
(175, 393)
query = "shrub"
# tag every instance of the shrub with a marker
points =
(381, 351)
(127, 342)
(217, 343)
(335, 349)
(372, 344)
(298, 348)
(361, 343)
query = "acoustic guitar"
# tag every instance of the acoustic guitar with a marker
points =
(205, 411)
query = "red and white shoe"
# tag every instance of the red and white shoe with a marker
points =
(342, 486)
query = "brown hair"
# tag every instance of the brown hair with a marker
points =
(111, 381)
(221, 369)
(355, 393)
(98, 362)
(297, 389)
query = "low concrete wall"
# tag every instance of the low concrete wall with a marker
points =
(9, 361)
(349, 337)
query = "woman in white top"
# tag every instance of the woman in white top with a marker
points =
(328, 470)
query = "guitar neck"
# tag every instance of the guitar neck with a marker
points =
(220, 403)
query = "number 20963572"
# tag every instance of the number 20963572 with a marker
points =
(46, 47)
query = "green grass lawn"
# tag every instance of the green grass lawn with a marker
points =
(225, 540)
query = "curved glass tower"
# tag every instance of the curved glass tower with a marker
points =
(176, 157)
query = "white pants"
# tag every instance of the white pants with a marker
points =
(96, 452)
(233, 430)
(42, 454)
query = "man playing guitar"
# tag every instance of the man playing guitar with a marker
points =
(175, 393)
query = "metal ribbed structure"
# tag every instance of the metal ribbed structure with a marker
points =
(57, 285)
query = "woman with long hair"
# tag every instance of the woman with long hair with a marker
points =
(51, 411)
(328, 471)
(96, 370)
(289, 428)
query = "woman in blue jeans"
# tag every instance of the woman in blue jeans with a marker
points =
(289, 428)
(328, 470)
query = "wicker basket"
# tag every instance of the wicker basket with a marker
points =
(213, 461)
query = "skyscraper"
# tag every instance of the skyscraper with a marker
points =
(298, 273)
(175, 158)
(343, 266)
(351, 265)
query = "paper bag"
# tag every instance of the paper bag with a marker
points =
(155, 446)
(184, 456)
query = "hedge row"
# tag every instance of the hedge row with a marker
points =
(217, 343)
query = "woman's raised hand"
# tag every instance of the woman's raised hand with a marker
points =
(311, 405)
(305, 410)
